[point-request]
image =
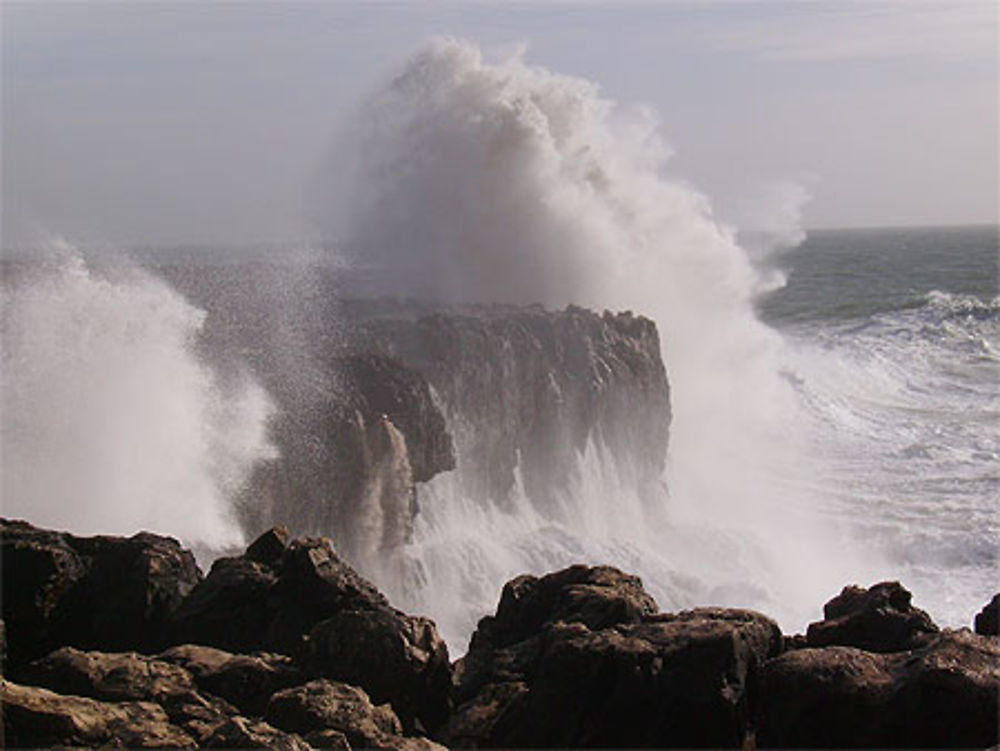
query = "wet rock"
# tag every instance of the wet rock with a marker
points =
(599, 670)
(37, 717)
(943, 695)
(108, 593)
(394, 657)
(246, 681)
(879, 619)
(243, 733)
(988, 619)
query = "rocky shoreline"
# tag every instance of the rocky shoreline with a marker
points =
(123, 642)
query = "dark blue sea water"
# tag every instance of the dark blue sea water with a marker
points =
(895, 352)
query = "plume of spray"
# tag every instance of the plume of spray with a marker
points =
(467, 180)
(112, 423)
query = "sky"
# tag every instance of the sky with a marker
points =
(193, 122)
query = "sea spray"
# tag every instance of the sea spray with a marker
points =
(111, 422)
(473, 181)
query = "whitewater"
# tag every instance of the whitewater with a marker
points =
(813, 443)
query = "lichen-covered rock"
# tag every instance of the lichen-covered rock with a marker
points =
(108, 593)
(37, 717)
(591, 666)
(987, 621)
(943, 695)
(879, 619)
(394, 657)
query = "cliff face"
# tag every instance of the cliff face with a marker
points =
(529, 390)
(375, 397)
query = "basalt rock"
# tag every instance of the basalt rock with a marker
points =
(943, 695)
(591, 666)
(879, 619)
(108, 593)
(988, 619)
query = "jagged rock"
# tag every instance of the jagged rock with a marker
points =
(37, 717)
(107, 593)
(246, 681)
(988, 619)
(530, 388)
(328, 739)
(601, 671)
(879, 619)
(943, 695)
(598, 597)
(116, 677)
(327, 705)
(124, 676)
(242, 733)
(244, 605)
(394, 657)
(229, 609)
(269, 547)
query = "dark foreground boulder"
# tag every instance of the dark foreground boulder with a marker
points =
(879, 619)
(593, 674)
(302, 600)
(988, 619)
(944, 695)
(107, 593)
(325, 711)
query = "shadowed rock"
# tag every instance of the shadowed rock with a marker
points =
(108, 593)
(246, 681)
(943, 695)
(879, 619)
(590, 666)
(322, 706)
(988, 619)
(395, 657)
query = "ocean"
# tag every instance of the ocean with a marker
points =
(894, 351)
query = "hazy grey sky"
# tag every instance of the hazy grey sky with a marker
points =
(186, 122)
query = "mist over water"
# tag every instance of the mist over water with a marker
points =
(112, 421)
(469, 180)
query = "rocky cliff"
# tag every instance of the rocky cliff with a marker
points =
(114, 642)
(375, 397)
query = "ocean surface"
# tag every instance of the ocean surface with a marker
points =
(894, 350)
